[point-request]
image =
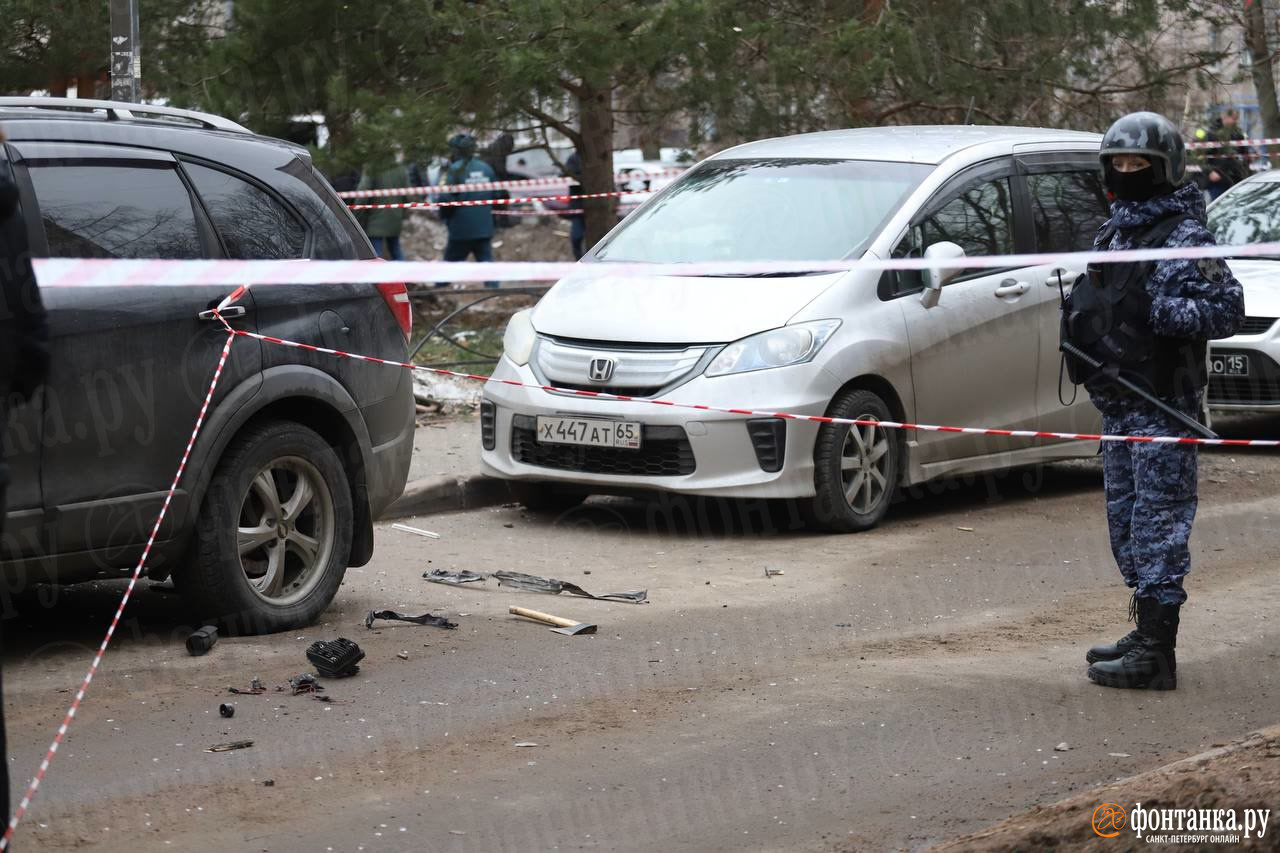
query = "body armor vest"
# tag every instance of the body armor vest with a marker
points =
(1107, 315)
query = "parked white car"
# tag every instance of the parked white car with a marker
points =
(1244, 370)
(964, 346)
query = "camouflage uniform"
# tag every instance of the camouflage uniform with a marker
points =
(1151, 488)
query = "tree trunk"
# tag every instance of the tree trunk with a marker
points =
(595, 116)
(1264, 79)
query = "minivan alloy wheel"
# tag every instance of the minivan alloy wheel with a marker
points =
(856, 467)
(864, 464)
(286, 529)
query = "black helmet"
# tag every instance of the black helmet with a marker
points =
(463, 143)
(1150, 135)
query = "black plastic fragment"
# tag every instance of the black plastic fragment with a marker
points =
(335, 658)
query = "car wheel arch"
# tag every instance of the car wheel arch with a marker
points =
(883, 389)
(288, 392)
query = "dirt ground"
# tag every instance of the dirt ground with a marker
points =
(889, 691)
(1246, 771)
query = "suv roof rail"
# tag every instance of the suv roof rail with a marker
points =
(123, 111)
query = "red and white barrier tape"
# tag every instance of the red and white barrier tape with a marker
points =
(521, 183)
(821, 419)
(407, 205)
(1233, 143)
(25, 802)
(108, 272)
(622, 208)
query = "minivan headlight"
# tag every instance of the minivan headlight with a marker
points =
(777, 348)
(519, 338)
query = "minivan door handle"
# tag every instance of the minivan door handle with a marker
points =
(227, 313)
(1061, 275)
(1011, 287)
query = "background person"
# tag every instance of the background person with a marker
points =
(384, 226)
(470, 226)
(24, 361)
(1165, 314)
(577, 221)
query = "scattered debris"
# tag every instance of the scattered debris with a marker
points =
(304, 683)
(562, 625)
(227, 710)
(424, 619)
(335, 658)
(255, 687)
(769, 573)
(202, 640)
(268, 783)
(228, 747)
(1062, 747)
(532, 583)
(508, 525)
(526, 743)
(453, 578)
(417, 531)
(965, 529)
(1119, 755)
(402, 655)
(586, 571)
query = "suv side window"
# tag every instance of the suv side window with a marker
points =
(1067, 209)
(105, 210)
(977, 216)
(253, 225)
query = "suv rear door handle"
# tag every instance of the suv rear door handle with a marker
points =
(227, 313)
(1012, 287)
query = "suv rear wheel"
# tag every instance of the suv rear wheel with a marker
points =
(855, 467)
(273, 537)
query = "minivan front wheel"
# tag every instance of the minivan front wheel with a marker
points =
(273, 537)
(855, 466)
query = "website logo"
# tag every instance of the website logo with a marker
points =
(1109, 819)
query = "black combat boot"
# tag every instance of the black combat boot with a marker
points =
(1116, 650)
(1150, 664)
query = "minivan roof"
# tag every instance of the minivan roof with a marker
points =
(929, 144)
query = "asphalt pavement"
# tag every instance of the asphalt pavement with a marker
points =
(887, 690)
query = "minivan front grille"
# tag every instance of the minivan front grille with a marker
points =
(611, 368)
(664, 451)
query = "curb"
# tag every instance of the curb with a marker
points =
(449, 494)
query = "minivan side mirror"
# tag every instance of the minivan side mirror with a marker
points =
(935, 278)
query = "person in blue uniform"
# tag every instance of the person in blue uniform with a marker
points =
(1154, 324)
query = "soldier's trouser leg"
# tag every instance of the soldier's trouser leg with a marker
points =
(1118, 476)
(1164, 508)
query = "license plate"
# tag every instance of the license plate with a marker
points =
(1229, 365)
(589, 432)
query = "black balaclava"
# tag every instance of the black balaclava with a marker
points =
(1142, 185)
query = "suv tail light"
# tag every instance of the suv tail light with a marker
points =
(397, 298)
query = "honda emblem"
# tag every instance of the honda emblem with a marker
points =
(601, 370)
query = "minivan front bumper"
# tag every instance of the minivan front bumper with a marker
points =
(683, 451)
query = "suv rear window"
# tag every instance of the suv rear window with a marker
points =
(139, 210)
(253, 225)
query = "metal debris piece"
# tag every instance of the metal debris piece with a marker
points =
(255, 687)
(769, 573)
(526, 743)
(424, 619)
(335, 658)
(402, 655)
(965, 529)
(453, 578)
(533, 583)
(228, 747)
(304, 683)
(1062, 747)
(417, 531)
(227, 710)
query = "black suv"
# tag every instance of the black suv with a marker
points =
(299, 451)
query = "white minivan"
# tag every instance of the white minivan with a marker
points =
(959, 347)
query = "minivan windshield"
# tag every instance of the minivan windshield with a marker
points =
(766, 210)
(1247, 214)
